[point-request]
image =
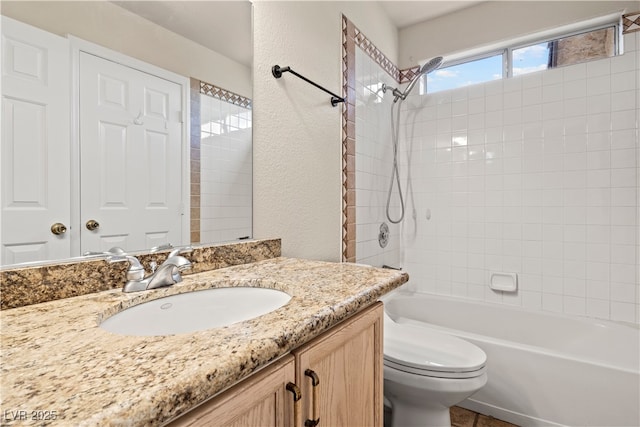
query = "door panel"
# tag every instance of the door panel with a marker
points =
(35, 144)
(130, 151)
(113, 153)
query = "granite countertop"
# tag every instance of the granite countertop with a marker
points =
(56, 358)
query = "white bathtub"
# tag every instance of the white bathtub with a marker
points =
(544, 369)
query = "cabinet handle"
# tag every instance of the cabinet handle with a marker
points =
(297, 395)
(315, 382)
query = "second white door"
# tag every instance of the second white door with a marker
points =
(130, 157)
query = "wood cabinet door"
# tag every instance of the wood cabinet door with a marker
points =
(259, 401)
(347, 364)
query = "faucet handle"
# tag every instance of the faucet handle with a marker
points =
(135, 271)
(114, 251)
(161, 248)
(180, 250)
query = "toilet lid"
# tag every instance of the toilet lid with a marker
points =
(424, 350)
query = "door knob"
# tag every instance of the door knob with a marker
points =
(92, 225)
(58, 228)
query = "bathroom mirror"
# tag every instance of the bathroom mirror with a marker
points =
(208, 41)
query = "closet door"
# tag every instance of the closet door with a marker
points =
(130, 157)
(35, 144)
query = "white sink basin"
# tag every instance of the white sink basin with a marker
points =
(195, 311)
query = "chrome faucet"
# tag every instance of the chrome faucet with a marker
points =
(167, 274)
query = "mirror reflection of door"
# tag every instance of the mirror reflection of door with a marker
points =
(35, 144)
(130, 151)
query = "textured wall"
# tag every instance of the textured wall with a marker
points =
(297, 134)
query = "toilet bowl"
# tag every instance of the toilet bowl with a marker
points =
(426, 372)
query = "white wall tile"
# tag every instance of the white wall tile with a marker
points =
(598, 85)
(621, 120)
(623, 81)
(624, 312)
(598, 308)
(623, 100)
(626, 62)
(574, 305)
(547, 185)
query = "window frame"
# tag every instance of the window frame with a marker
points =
(617, 31)
(464, 60)
(506, 48)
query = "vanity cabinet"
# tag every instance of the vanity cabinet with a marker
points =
(259, 401)
(346, 366)
(338, 378)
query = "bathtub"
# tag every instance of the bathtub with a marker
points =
(544, 369)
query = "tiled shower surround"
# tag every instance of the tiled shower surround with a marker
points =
(536, 175)
(225, 169)
(374, 160)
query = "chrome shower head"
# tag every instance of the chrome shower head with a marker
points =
(431, 65)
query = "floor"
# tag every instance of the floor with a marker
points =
(461, 417)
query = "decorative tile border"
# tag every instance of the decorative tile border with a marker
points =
(194, 223)
(370, 49)
(407, 75)
(33, 285)
(348, 141)
(400, 76)
(630, 22)
(352, 37)
(224, 95)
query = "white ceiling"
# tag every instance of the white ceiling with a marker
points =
(405, 13)
(225, 26)
(222, 26)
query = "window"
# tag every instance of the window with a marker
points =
(466, 73)
(521, 58)
(569, 50)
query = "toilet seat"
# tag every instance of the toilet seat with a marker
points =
(425, 352)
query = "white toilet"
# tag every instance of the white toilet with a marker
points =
(426, 372)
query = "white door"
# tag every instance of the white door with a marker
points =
(35, 144)
(130, 157)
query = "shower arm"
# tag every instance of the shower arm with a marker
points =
(277, 71)
(395, 91)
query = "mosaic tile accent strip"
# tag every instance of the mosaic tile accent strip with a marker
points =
(33, 285)
(367, 46)
(401, 76)
(630, 22)
(348, 141)
(224, 95)
(352, 37)
(194, 226)
(408, 74)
